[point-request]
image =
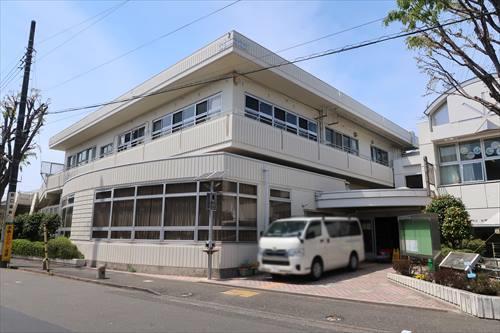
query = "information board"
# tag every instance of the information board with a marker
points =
(419, 235)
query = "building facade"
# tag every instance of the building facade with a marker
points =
(272, 138)
(461, 141)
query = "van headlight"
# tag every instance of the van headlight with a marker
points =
(295, 252)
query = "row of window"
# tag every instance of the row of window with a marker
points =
(189, 116)
(471, 161)
(335, 229)
(176, 212)
(272, 115)
(341, 141)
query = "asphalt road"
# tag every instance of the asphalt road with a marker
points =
(31, 302)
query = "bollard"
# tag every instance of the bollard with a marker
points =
(101, 272)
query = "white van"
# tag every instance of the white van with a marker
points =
(311, 245)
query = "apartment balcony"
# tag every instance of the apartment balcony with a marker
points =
(238, 134)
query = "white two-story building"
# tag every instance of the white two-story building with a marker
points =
(277, 141)
(461, 140)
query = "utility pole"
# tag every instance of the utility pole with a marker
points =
(16, 156)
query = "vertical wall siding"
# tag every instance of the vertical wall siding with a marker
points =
(82, 215)
(154, 254)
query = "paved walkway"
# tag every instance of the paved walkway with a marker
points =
(368, 284)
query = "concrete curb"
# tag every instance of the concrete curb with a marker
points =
(482, 306)
(64, 262)
(220, 283)
(77, 278)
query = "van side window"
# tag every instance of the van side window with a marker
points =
(354, 229)
(333, 228)
(314, 230)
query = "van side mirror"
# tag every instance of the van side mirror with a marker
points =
(261, 233)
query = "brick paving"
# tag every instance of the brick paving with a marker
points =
(368, 284)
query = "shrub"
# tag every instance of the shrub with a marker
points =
(456, 226)
(474, 245)
(24, 247)
(30, 226)
(450, 278)
(440, 204)
(62, 248)
(485, 286)
(402, 266)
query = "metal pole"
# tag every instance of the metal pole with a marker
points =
(45, 264)
(210, 229)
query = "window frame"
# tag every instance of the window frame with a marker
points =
(335, 136)
(131, 142)
(309, 132)
(374, 155)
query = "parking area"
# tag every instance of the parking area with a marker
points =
(368, 284)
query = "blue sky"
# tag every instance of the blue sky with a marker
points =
(383, 77)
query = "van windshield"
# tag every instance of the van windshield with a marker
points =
(285, 229)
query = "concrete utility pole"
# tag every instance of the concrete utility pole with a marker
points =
(16, 156)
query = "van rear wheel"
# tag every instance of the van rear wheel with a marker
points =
(316, 269)
(353, 262)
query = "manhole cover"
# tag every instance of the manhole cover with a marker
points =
(186, 294)
(334, 317)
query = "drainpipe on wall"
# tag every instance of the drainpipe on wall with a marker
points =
(265, 176)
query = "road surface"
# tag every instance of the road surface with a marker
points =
(31, 302)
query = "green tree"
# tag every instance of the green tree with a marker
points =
(456, 226)
(448, 50)
(30, 226)
(440, 204)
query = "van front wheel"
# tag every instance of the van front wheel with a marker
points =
(353, 262)
(316, 269)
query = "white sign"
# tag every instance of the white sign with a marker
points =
(411, 245)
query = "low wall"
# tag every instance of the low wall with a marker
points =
(481, 306)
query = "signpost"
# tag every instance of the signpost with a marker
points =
(8, 229)
(419, 235)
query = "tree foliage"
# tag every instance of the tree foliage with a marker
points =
(36, 111)
(448, 50)
(456, 226)
(440, 204)
(30, 226)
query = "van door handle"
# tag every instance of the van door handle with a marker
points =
(321, 240)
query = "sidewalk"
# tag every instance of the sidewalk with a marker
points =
(368, 284)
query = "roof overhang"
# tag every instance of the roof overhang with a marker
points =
(373, 198)
(228, 56)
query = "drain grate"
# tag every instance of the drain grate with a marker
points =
(334, 317)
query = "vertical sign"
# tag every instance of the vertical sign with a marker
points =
(7, 242)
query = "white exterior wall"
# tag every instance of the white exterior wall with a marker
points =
(467, 121)
(188, 254)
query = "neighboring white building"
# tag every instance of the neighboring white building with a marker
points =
(461, 140)
(278, 141)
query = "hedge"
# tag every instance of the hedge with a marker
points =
(60, 247)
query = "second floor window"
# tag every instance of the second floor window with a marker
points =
(470, 161)
(106, 150)
(380, 156)
(189, 116)
(131, 138)
(83, 157)
(277, 117)
(341, 141)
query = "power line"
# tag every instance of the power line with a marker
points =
(350, 47)
(301, 44)
(13, 74)
(143, 45)
(74, 26)
(107, 13)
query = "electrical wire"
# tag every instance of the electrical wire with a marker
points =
(107, 13)
(74, 26)
(143, 45)
(350, 47)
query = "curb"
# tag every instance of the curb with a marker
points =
(109, 284)
(334, 298)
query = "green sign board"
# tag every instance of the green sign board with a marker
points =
(419, 235)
